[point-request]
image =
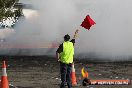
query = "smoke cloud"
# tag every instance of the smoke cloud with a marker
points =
(50, 20)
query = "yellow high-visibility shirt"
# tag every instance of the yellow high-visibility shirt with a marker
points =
(68, 51)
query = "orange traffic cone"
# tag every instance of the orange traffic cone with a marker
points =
(4, 80)
(73, 76)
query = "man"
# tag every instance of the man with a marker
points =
(65, 54)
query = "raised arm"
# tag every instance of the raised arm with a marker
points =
(76, 34)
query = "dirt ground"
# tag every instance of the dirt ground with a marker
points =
(43, 72)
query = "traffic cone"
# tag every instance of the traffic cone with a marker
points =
(73, 76)
(4, 80)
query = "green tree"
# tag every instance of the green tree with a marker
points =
(9, 11)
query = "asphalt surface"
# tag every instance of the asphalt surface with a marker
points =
(43, 72)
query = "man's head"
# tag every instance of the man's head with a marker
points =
(66, 37)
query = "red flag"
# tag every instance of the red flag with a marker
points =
(88, 22)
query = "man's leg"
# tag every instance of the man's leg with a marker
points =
(63, 70)
(68, 76)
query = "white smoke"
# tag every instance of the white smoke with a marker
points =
(111, 36)
(49, 22)
(6, 32)
(29, 13)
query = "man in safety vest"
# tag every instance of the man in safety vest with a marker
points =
(65, 54)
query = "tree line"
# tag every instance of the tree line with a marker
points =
(9, 10)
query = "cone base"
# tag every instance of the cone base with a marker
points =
(4, 82)
(73, 78)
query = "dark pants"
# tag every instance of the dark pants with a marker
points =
(65, 70)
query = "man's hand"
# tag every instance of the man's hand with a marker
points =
(76, 33)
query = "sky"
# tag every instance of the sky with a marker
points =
(50, 20)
